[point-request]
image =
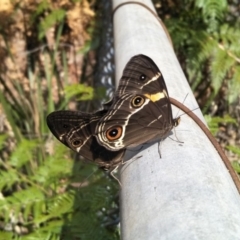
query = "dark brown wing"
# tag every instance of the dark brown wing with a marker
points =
(75, 130)
(134, 119)
(127, 124)
(141, 75)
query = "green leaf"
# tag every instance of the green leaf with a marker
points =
(236, 166)
(234, 149)
(50, 20)
(80, 91)
(3, 138)
(213, 122)
(23, 153)
(8, 178)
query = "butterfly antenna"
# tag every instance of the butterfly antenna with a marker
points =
(179, 109)
(182, 103)
(188, 111)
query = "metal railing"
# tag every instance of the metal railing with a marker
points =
(188, 192)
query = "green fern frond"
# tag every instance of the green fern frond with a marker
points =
(23, 153)
(234, 85)
(229, 41)
(234, 149)
(236, 165)
(208, 47)
(29, 195)
(221, 64)
(212, 11)
(8, 178)
(213, 122)
(23, 203)
(3, 138)
(52, 168)
(61, 204)
(6, 235)
(99, 199)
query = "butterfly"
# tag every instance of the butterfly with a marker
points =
(139, 111)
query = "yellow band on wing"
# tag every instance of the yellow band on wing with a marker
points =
(155, 97)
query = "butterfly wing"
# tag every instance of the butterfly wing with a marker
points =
(141, 75)
(75, 130)
(141, 109)
(134, 119)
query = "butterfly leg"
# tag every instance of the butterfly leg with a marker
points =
(122, 163)
(175, 134)
(112, 174)
(159, 148)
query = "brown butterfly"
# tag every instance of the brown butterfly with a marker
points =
(139, 112)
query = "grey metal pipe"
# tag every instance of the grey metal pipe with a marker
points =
(187, 193)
